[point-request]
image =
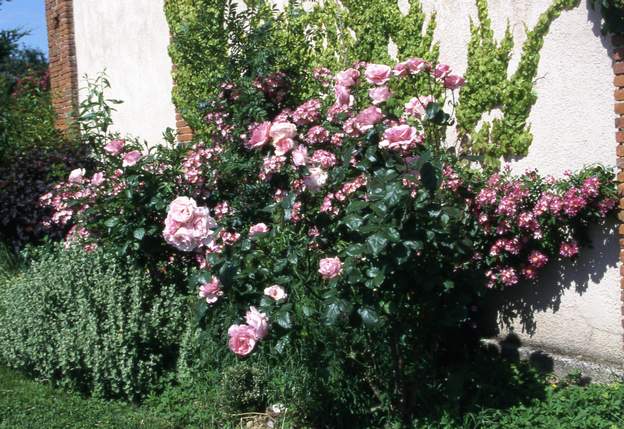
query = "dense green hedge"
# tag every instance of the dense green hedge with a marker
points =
(90, 322)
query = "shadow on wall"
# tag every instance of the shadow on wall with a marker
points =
(519, 304)
(595, 17)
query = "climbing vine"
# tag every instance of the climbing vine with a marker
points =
(488, 87)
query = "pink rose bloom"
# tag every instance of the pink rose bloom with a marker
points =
(283, 146)
(330, 268)
(182, 209)
(180, 237)
(379, 95)
(131, 158)
(211, 291)
(453, 82)
(259, 136)
(76, 176)
(114, 147)
(400, 137)
(569, 249)
(441, 71)
(367, 118)
(259, 228)
(258, 321)
(416, 106)
(417, 65)
(323, 158)
(282, 130)
(343, 96)
(401, 69)
(378, 74)
(316, 179)
(348, 77)
(275, 292)
(242, 339)
(300, 156)
(97, 179)
(202, 225)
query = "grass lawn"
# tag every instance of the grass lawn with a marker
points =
(26, 404)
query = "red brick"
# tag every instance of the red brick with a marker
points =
(618, 81)
(618, 54)
(618, 94)
(618, 68)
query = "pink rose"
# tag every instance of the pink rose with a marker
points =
(379, 94)
(180, 237)
(330, 268)
(417, 65)
(258, 321)
(259, 136)
(417, 106)
(97, 179)
(202, 226)
(343, 96)
(316, 179)
(275, 292)
(259, 228)
(131, 158)
(400, 137)
(76, 176)
(300, 156)
(211, 291)
(323, 158)
(367, 118)
(441, 71)
(348, 77)
(114, 147)
(378, 74)
(453, 82)
(182, 209)
(283, 146)
(242, 339)
(282, 130)
(401, 69)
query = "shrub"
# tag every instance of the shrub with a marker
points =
(91, 322)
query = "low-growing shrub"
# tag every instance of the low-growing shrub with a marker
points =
(91, 322)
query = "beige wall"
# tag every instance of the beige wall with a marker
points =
(576, 307)
(129, 39)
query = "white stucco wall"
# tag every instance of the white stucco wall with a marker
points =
(572, 124)
(128, 39)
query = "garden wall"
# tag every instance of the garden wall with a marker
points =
(129, 40)
(575, 309)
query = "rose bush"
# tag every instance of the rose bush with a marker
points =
(341, 226)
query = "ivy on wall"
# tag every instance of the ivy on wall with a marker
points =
(488, 87)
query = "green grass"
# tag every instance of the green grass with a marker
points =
(26, 404)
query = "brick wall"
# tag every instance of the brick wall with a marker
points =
(62, 57)
(618, 81)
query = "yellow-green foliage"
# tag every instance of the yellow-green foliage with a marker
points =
(488, 86)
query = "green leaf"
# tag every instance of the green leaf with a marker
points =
(200, 310)
(110, 223)
(282, 343)
(369, 317)
(139, 233)
(393, 194)
(429, 177)
(353, 222)
(335, 310)
(355, 250)
(283, 319)
(377, 243)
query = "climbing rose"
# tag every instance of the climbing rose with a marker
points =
(453, 82)
(182, 209)
(114, 147)
(283, 146)
(378, 74)
(400, 137)
(367, 118)
(441, 71)
(259, 228)
(258, 321)
(330, 268)
(97, 179)
(259, 136)
(343, 96)
(211, 291)
(282, 130)
(379, 95)
(76, 175)
(242, 339)
(347, 77)
(275, 292)
(131, 158)
(300, 156)
(316, 179)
